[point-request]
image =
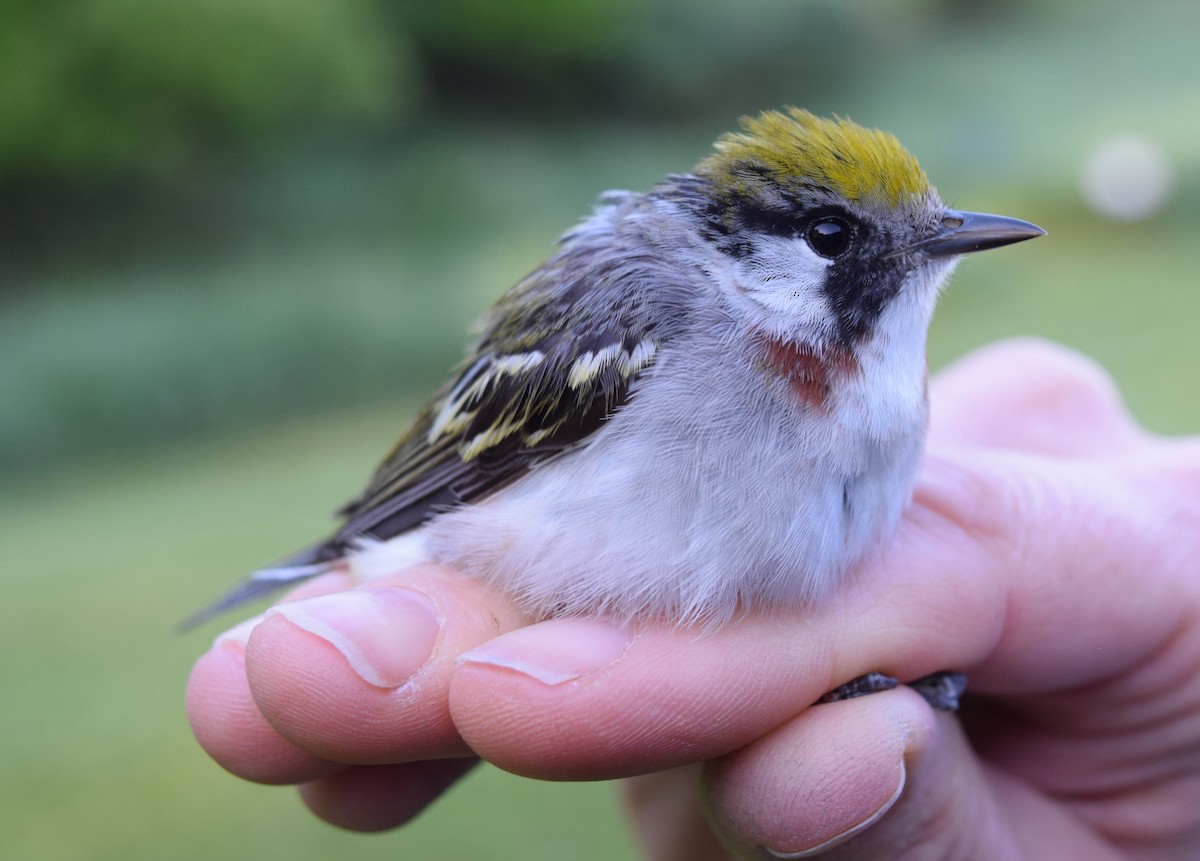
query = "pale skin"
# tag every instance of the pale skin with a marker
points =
(1050, 552)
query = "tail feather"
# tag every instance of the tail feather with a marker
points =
(267, 581)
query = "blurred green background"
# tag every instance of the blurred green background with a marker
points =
(240, 240)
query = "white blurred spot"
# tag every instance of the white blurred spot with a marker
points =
(1127, 178)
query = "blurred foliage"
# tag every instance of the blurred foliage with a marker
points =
(658, 59)
(146, 85)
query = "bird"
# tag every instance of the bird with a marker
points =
(710, 400)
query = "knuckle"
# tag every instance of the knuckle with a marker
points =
(1056, 375)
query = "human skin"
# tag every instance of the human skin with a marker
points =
(1050, 552)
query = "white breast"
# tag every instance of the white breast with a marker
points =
(712, 490)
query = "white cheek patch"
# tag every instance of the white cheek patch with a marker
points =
(786, 277)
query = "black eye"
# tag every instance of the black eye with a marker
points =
(829, 236)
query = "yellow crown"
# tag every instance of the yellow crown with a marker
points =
(801, 149)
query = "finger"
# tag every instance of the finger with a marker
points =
(574, 699)
(821, 779)
(877, 777)
(1034, 395)
(997, 550)
(231, 729)
(379, 797)
(361, 676)
(1070, 544)
(668, 816)
(225, 719)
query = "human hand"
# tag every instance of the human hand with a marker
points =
(1047, 553)
(1067, 539)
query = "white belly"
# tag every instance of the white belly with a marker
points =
(683, 507)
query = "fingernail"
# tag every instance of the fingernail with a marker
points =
(554, 652)
(237, 636)
(386, 635)
(826, 845)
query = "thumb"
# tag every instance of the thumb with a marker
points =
(880, 776)
(1025, 393)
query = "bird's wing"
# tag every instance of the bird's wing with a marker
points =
(558, 356)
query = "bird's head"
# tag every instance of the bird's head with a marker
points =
(828, 233)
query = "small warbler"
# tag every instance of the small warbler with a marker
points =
(711, 399)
